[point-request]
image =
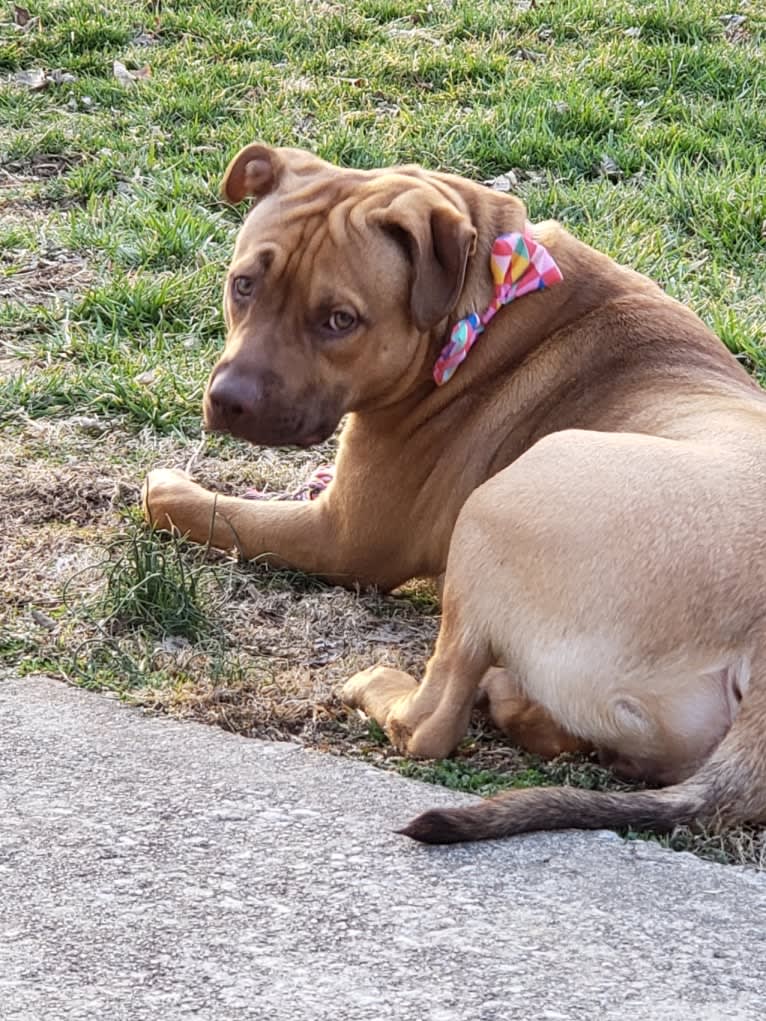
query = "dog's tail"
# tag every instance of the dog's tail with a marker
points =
(729, 788)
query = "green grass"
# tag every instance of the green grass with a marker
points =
(680, 109)
(126, 179)
(153, 583)
(460, 775)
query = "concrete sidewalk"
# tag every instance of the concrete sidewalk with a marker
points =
(156, 870)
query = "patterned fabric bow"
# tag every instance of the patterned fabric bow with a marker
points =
(519, 265)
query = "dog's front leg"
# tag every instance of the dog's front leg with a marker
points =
(310, 536)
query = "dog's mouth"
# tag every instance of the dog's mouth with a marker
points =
(268, 436)
(272, 428)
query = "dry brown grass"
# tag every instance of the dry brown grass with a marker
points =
(745, 845)
(65, 488)
(291, 651)
(41, 273)
(283, 643)
(42, 279)
(19, 173)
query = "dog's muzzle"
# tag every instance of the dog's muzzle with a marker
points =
(257, 409)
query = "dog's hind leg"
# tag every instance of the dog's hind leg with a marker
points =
(427, 719)
(526, 723)
(728, 789)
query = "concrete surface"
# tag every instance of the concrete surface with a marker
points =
(151, 869)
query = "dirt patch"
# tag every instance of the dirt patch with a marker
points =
(37, 493)
(42, 279)
(271, 472)
(10, 365)
(17, 173)
(36, 564)
(36, 277)
(87, 443)
(330, 633)
(22, 210)
(289, 653)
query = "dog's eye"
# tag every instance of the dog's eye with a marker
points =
(340, 321)
(242, 287)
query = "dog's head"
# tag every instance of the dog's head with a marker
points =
(338, 281)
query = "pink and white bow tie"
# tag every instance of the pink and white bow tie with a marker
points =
(519, 265)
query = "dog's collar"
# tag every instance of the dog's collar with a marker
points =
(518, 265)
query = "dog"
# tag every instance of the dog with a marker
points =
(577, 456)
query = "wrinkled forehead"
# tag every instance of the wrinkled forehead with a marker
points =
(302, 206)
(322, 230)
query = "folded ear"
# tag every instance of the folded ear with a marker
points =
(438, 240)
(253, 173)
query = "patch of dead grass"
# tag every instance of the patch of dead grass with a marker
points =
(39, 493)
(37, 564)
(290, 651)
(234, 468)
(35, 279)
(745, 845)
(20, 210)
(45, 277)
(90, 447)
(19, 173)
(10, 365)
(52, 274)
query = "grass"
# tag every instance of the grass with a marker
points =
(155, 585)
(640, 126)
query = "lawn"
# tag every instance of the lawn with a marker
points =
(641, 126)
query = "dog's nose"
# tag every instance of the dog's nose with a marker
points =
(232, 395)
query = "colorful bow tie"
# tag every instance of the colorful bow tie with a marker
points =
(519, 265)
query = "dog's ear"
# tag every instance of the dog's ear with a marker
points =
(253, 173)
(438, 240)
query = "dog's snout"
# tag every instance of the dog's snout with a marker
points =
(233, 395)
(256, 406)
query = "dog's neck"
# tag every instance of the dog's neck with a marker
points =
(518, 329)
(521, 326)
(589, 282)
(519, 265)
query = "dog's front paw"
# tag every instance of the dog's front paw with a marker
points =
(163, 496)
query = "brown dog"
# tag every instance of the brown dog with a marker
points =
(595, 470)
